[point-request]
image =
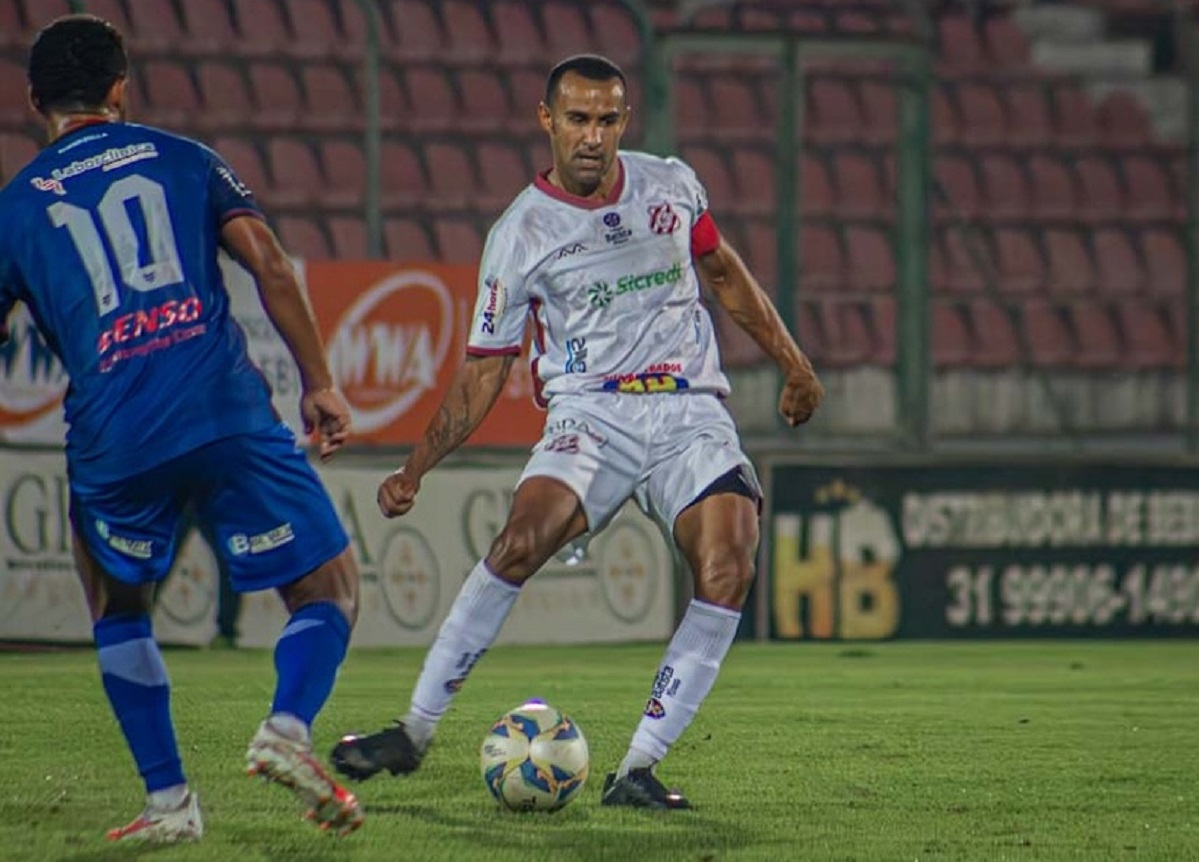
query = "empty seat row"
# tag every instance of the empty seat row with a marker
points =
(445, 238)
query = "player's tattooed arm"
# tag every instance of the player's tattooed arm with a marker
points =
(473, 390)
(729, 280)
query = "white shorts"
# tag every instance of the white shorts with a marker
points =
(664, 450)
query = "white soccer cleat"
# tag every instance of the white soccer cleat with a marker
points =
(164, 825)
(289, 762)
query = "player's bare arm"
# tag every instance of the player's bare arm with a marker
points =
(466, 403)
(254, 245)
(729, 280)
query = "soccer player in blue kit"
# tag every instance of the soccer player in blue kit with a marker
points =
(110, 237)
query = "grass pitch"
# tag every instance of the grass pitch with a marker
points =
(895, 751)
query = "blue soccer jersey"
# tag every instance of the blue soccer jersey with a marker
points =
(110, 236)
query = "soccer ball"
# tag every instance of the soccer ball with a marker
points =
(534, 758)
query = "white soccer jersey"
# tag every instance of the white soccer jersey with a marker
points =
(610, 285)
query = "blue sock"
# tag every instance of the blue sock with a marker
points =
(307, 656)
(135, 680)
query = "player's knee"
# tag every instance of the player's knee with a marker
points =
(725, 581)
(517, 552)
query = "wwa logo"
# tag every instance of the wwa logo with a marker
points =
(33, 380)
(387, 348)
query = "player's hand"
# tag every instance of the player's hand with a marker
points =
(326, 414)
(801, 395)
(397, 493)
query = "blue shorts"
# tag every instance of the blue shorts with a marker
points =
(256, 493)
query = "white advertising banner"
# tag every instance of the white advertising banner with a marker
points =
(621, 589)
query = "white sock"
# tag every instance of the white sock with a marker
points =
(291, 726)
(472, 625)
(684, 679)
(169, 798)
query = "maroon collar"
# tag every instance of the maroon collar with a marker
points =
(541, 181)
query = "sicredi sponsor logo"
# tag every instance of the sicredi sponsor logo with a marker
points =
(386, 349)
(601, 293)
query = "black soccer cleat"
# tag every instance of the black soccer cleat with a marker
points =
(641, 789)
(360, 757)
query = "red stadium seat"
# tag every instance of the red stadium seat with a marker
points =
(155, 28)
(946, 124)
(458, 240)
(1005, 43)
(1075, 124)
(961, 49)
(431, 100)
(304, 238)
(815, 186)
(112, 11)
(402, 179)
(226, 95)
(834, 117)
(39, 13)
(1147, 194)
(262, 30)
(393, 104)
(958, 195)
(1028, 116)
(330, 102)
(1005, 188)
(1052, 187)
(1149, 341)
(407, 240)
(277, 100)
(1021, 269)
(753, 173)
(615, 33)
(1048, 338)
(12, 28)
(1118, 270)
(315, 29)
(1095, 334)
(519, 37)
(691, 106)
(967, 257)
(295, 174)
(856, 180)
(761, 253)
(567, 30)
(172, 100)
(349, 237)
(16, 151)
(713, 171)
(821, 261)
(502, 173)
(871, 261)
(344, 168)
(995, 344)
(880, 109)
(740, 117)
(208, 27)
(950, 338)
(1123, 121)
(1099, 189)
(1165, 261)
(983, 120)
(884, 320)
(469, 37)
(246, 160)
(485, 107)
(14, 95)
(845, 334)
(1071, 269)
(451, 176)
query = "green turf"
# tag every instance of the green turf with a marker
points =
(898, 751)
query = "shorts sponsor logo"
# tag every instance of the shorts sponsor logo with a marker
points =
(571, 425)
(662, 219)
(601, 294)
(654, 709)
(567, 444)
(576, 355)
(387, 347)
(640, 384)
(139, 549)
(493, 305)
(240, 544)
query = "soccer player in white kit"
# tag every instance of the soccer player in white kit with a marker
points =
(605, 252)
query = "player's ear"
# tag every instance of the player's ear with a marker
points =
(33, 103)
(544, 117)
(115, 100)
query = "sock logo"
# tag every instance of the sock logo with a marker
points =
(654, 709)
(464, 666)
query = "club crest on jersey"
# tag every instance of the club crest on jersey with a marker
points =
(48, 185)
(662, 219)
(615, 233)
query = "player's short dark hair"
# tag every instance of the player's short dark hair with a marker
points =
(74, 62)
(593, 67)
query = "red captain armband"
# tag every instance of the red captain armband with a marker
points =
(705, 237)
